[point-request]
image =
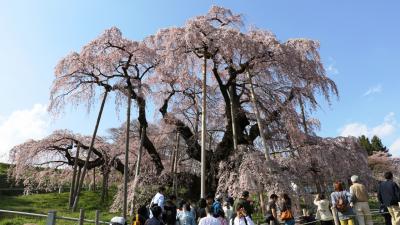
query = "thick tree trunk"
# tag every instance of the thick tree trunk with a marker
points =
(72, 189)
(94, 179)
(82, 179)
(104, 190)
(78, 177)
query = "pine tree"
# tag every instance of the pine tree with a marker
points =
(364, 142)
(376, 145)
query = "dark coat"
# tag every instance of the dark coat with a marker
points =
(388, 193)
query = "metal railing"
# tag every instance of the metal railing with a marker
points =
(52, 217)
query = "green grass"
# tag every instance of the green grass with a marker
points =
(43, 203)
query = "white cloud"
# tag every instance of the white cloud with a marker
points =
(373, 90)
(395, 147)
(331, 68)
(22, 125)
(385, 129)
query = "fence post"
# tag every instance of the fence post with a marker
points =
(96, 220)
(51, 218)
(81, 216)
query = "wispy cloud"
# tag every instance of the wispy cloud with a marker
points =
(385, 129)
(331, 68)
(373, 90)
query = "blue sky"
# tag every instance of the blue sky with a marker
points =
(359, 46)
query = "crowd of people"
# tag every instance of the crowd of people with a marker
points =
(347, 206)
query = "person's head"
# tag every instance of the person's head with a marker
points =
(142, 210)
(240, 210)
(320, 196)
(156, 211)
(338, 186)
(388, 175)
(354, 179)
(118, 221)
(186, 207)
(245, 194)
(202, 203)
(172, 198)
(161, 189)
(273, 197)
(210, 199)
(181, 204)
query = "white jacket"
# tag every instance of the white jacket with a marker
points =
(323, 211)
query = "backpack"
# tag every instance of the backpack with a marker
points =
(342, 203)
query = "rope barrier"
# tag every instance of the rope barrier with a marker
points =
(351, 216)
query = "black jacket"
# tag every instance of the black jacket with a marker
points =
(388, 193)
(169, 213)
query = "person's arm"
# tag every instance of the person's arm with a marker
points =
(161, 202)
(380, 194)
(249, 221)
(333, 200)
(274, 213)
(396, 191)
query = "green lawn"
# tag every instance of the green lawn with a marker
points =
(43, 203)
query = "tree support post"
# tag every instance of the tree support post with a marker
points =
(81, 216)
(51, 218)
(82, 178)
(203, 128)
(260, 127)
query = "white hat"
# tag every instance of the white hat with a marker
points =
(354, 178)
(117, 220)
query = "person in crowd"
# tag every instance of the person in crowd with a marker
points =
(201, 209)
(217, 206)
(170, 210)
(118, 221)
(210, 200)
(228, 208)
(241, 217)
(342, 201)
(141, 216)
(193, 210)
(186, 217)
(158, 199)
(324, 213)
(271, 217)
(209, 219)
(156, 219)
(247, 204)
(389, 196)
(286, 210)
(360, 198)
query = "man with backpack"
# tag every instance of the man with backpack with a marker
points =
(389, 196)
(245, 202)
(341, 200)
(158, 200)
(360, 197)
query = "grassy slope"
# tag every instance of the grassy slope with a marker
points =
(43, 203)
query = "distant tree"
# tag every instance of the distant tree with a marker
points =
(377, 146)
(366, 144)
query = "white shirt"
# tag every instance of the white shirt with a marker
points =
(241, 221)
(158, 199)
(209, 220)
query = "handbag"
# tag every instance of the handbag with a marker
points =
(286, 215)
